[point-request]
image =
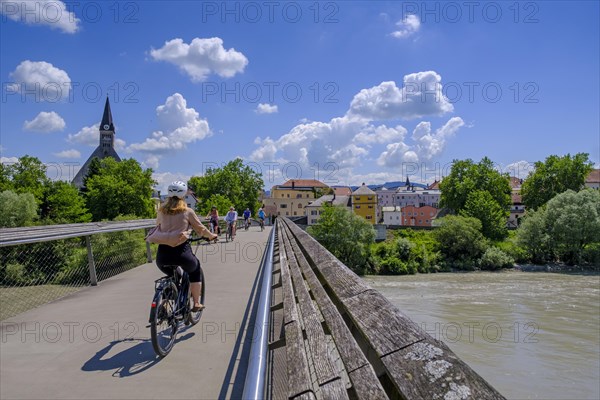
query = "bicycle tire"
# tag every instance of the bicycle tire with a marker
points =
(194, 317)
(163, 321)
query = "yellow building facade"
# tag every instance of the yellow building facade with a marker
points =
(290, 199)
(364, 203)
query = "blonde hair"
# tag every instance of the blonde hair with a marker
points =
(173, 205)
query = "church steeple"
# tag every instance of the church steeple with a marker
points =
(107, 121)
(407, 184)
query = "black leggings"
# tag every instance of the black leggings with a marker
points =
(181, 255)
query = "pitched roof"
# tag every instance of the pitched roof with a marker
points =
(593, 177)
(328, 198)
(515, 183)
(342, 191)
(434, 186)
(303, 183)
(363, 190)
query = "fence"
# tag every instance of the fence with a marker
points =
(44, 263)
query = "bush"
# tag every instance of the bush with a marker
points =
(393, 266)
(591, 254)
(494, 259)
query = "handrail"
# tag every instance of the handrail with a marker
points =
(254, 387)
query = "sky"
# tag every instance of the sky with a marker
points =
(341, 91)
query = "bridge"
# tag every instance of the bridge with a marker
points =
(284, 319)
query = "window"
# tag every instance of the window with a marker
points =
(357, 206)
(307, 195)
(299, 196)
(313, 212)
(288, 195)
(357, 198)
(299, 205)
(283, 205)
(370, 206)
(287, 213)
(295, 213)
(370, 198)
(369, 217)
(422, 213)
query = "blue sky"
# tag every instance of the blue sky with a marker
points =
(346, 92)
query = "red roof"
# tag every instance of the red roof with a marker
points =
(434, 186)
(593, 177)
(342, 191)
(515, 183)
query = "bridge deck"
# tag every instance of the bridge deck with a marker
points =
(95, 344)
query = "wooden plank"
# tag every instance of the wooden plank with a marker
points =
(343, 282)
(365, 381)
(384, 327)
(334, 390)
(297, 363)
(305, 396)
(289, 300)
(365, 386)
(430, 370)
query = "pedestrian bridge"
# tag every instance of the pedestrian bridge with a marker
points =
(283, 319)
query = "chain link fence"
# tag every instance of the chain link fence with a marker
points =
(37, 273)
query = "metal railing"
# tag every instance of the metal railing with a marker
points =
(40, 264)
(254, 387)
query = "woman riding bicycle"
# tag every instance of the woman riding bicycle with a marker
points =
(213, 217)
(231, 219)
(174, 221)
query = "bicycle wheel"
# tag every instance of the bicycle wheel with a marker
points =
(194, 317)
(163, 324)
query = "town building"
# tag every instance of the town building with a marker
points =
(418, 216)
(364, 203)
(293, 196)
(593, 179)
(517, 208)
(315, 208)
(106, 148)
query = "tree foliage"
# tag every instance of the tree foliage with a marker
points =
(120, 188)
(467, 177)
(235, 181)
(28, 175)
(17, 209)
(460, 241)
(221, 202)
(553, 176)
(346, 235)
(481, 205)
(63, 204)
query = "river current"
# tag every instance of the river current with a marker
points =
(530, 335)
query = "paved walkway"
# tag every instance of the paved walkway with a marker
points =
(95, 344)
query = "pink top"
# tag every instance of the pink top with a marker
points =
(174, 229)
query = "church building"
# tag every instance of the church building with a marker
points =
(106, 148)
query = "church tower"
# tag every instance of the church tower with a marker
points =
(106, 147)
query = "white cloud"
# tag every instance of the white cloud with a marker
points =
(519, 169)
(430, 144)
(179, 126)
(407, 27)
(380, 134)
(264, 108)
(42, 80)
(9, 160)
(201, 57)
(164, 179)
(52, 13)
(90, 136)
(68, 154)
(45, 122)
(420, 96)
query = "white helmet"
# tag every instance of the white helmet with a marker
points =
(178, 189)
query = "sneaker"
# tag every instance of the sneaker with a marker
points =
(198, 307)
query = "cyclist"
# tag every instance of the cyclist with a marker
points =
(247, 214)
(231, 218)
(213, 217)
(261, 217)
(174, 220)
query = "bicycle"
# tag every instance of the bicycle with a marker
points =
(262, 224)
(229, 234)
(171, 305)
(246, 224)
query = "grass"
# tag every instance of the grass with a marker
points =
(15, 300)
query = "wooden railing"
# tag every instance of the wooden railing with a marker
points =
(334, 337)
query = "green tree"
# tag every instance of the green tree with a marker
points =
(63, 204)
(235, 181)
(17, 209)
(120, 188)
(553, 176)
(467, 177)
(221, 202)
(573, 222)
(346, 235)
(29, 176)
(482, 206)
(532, 235)
(5, 178)
(460, 241)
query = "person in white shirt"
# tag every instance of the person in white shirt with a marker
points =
(231, 218)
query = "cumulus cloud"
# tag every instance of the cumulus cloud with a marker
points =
(346, 142)
(9, 160)
(52, 13)
(40, 79)
(407, 27)
(90, 136)
(45, 122)
(179, 126)
(420, 96)
(68, 154)
(519, 169)
(264, 108)
(201, 57)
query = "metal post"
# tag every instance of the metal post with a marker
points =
(91, 264)
(148, 249)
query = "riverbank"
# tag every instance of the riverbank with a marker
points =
(558, 268)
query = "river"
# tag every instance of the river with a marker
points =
(532, 335)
